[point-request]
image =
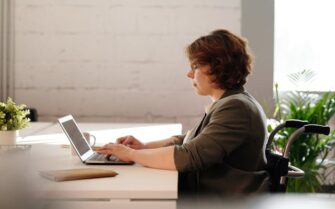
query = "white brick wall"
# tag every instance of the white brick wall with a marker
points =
(113, 60)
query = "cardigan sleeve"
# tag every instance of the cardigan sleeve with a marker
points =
(227, 128)
(180, 139)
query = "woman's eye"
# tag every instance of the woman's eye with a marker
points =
(194, 66)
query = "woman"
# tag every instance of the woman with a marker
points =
(225, 152)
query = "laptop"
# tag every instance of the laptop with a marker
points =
(82, 147)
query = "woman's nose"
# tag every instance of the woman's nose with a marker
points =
(190, 74)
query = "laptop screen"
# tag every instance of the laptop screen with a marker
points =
(76, 137)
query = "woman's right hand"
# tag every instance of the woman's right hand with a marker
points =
(130, 141)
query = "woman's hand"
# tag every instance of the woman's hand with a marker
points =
(161, 158)
(131, 142)
(122, 152)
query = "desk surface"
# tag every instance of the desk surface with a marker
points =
(51, 133)
(34, 128)
(133, 182)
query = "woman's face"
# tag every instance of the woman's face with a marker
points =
(200, 79)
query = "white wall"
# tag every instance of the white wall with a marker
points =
(258, 26)
(113, 60)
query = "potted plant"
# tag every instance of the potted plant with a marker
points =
(310, 151)
(12, 118)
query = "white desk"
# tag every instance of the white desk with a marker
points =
(133, 182)
(51, 133)
(34, 128)
(152, 187)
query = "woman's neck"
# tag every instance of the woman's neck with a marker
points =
(217, 94)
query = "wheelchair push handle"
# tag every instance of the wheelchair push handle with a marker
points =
(317, 129)
(311, 128)
(293, 123)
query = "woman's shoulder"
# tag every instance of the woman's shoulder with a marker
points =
(239, 98)
(241, 101)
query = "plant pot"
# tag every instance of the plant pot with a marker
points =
(8, 137)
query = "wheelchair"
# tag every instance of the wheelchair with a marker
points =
(278, 165)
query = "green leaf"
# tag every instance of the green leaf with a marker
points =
(309, 148)
(13, 116)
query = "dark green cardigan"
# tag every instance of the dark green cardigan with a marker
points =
(225, 152)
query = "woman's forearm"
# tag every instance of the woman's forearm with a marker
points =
(161, 158)
(161, 143)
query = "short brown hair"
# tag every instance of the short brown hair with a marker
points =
(228, 56)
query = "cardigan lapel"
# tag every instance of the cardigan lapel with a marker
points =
(195, 131)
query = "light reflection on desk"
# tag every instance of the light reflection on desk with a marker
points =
(51, 133)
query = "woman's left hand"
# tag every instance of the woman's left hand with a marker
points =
(122, 152)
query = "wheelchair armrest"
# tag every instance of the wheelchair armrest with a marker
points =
(295, 172)
(292, 172)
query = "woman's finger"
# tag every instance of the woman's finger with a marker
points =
(121, 139)
(129, 140)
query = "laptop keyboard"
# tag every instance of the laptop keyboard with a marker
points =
(101, 157)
